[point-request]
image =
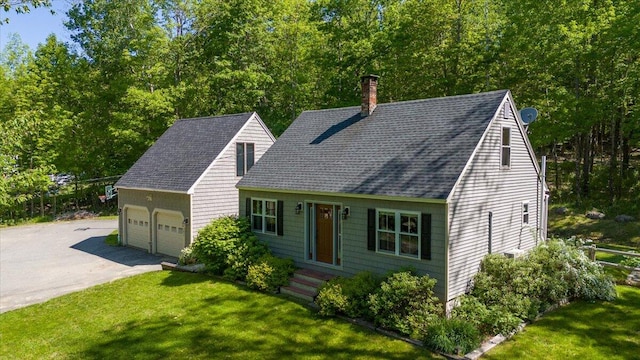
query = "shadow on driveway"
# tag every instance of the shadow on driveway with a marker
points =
(119, 254)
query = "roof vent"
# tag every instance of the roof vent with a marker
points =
(369, 85)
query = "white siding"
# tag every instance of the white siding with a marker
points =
(215, 194)
(355, 256)
(485, 187)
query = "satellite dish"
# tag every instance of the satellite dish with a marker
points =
(528, 115)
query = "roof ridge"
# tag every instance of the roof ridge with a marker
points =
(216, 116)
(414, 100)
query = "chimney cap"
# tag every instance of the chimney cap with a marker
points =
(370, 76)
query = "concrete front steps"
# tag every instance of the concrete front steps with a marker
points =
(305, 283)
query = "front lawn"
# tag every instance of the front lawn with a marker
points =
(165, 315)
(582, 330)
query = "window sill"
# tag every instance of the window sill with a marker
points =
(402, 257)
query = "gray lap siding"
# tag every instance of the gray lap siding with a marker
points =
(485, 188)
(355, 256)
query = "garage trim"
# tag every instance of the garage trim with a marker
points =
(125, 217)
(154, 226)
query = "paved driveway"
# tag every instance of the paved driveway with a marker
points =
(43, 261)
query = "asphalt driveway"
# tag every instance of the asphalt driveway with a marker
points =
(43, 261)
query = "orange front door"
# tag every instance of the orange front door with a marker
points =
(324, 233)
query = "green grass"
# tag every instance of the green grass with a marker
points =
(112, 239)
(604, 232)
(619, 275)
(582, 330)
(173, 315)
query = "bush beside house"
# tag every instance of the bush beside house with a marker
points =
(505, 293)
(228, 247)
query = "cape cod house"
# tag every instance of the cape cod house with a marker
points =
(186, 179)
(433, 184)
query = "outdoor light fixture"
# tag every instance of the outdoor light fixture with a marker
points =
(298, 208)
(185, 221)
(346, 212)
(119, 211)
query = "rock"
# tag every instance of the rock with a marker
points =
(561, 210)
(595, 215)
(624, 218)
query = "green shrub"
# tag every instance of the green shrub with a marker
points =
(350, 297)
(246, 251)
(630, 261)
(585, 279)
(500, 320)
(187, 256)
(331, 300)
(495, 319)
(227, 246)
(452, 336)
(269, 273)
(406, 303)
(550, 273)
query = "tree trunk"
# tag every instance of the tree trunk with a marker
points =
(587, 163)
(613, 164)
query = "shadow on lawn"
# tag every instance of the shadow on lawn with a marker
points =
(585, 320)
(233, 322)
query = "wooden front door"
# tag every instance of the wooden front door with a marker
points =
(324, 233)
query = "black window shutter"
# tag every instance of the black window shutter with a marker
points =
(280, 217)
(426, 237)
(247, 210)
(371, 229)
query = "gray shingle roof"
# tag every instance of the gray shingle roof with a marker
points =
(413, 149)
(178, 158)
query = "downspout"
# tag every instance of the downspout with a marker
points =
(446, 256)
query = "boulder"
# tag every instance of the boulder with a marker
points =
(561, 210)
(595, 215)
(624, 218)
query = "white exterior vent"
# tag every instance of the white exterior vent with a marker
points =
(514, 253)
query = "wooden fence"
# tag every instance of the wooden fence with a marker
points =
(592, 249)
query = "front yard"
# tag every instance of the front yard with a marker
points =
(179, 315)
(172, 315)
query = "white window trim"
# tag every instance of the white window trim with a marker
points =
(527, 212)
(502, 146)
(264, 216)
(398, 233)
(244, 157)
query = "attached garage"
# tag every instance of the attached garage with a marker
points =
(186, 179)
(137, 227)
(170, 233)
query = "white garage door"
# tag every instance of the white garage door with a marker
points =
(169, 234)
(137, 228)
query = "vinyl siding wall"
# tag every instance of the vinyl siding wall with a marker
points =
(355, 256)
(153, 201)
(485, 188)
(216, 194)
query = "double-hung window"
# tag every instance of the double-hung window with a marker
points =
(525, 212)
(245, 155)
(505, 153)
(264, 215)
(398, 233)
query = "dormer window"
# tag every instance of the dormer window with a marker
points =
(505, 154)
(244, 157)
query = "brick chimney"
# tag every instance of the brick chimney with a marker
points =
(369, 85)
